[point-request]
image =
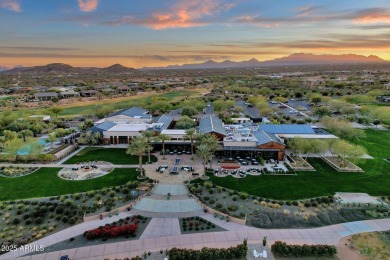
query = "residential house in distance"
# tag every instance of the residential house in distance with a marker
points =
(89, 93)
(69, 93)
(45, 96)
(123, 89)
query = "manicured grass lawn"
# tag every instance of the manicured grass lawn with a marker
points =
(325, 181)
(45, 182)
(132, 101)
(112, 155)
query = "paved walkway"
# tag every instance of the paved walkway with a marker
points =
(71, 155)
(324, 235)
(173, 189)
(41, 165)
(168, 206)
(161, 227)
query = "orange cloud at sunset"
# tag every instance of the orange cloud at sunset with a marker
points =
(12, 5)
(87, 5)
(374, 16)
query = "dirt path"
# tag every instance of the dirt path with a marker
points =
(346, 252)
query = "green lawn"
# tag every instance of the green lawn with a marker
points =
(45, 182)
(325, 181)
(112, 155)
(141, 101)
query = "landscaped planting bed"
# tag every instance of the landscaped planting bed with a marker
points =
(197, 225)
(266, 213)
(298, 163)
(129, 228)
(26, 221)
(344, 166)
(16, 171)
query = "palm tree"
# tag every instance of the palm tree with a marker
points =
(191, 135)
(163, 138)
(204, 153)
(138, 146)
(212, 143)
(148, 135)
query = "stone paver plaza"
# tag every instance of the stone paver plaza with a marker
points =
(168, 206)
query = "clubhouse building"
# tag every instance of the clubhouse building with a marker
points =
(245, 139)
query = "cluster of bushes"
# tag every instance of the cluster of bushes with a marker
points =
(111, 231)
(11, 171)
(196, 223)
(237, 252)
(284, 250)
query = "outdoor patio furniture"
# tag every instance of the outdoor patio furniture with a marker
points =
(264, 253)
(255, 253)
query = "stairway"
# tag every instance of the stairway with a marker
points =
(159, 204)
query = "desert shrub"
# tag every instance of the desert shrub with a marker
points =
(38, 220)
(243, 195)
(232, 208)
(72, 220)
(283, 250)
(64, 219)
(16, 221)
(212, 201)
(234, 197)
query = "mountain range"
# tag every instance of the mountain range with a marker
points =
(293, 59)
(55, 68)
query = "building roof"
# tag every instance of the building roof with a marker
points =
(287, 129)
(129, 128)
(162, 122)
(211, 124)
(46, 94)
(133, 112)
(102, 127)
(264, 137)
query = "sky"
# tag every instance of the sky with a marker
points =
(143, 33)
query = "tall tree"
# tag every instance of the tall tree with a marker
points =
(56, 110)
(148, 135)
(138, 146)
(346, 150)
(89, 138)
(212, 143)
(204, 153)
(163, 138)
(191, 135)
(185, 122)
(24, 134)
(51, 139)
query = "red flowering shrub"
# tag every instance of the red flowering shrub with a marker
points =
(111, 231)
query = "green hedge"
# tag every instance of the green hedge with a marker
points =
(237, 252)
(283, 250)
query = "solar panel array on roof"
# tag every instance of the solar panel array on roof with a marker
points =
(211, 124)
(287, 129)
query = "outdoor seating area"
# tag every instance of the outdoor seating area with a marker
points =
(241, 160)
(85, 171)
(177, 150)
(220, 172)
(276, 167)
